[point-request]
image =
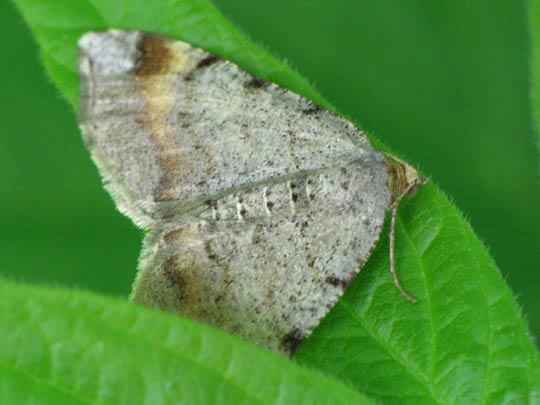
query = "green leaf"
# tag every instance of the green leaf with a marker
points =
(465, 341)
(61, 346)
(534, 28)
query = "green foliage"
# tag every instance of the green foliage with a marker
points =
(534, 27)
(464, 342)
(66, 346)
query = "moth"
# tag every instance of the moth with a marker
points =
(260, 206)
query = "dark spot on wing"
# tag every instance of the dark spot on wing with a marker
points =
(154, 55)
(338, 282)
(207, 61)
(256, 83)
(291, 341)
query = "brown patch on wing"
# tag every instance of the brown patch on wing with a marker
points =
(160, 60)
(174, 274)
(198, 275)
(154, 55)
(182, 274)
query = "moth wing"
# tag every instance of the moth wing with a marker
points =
(171, 126)
(268, 263)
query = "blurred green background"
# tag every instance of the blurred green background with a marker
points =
(445, 83)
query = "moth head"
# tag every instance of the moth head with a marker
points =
(403, 179)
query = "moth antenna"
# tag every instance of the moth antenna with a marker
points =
(392, 255)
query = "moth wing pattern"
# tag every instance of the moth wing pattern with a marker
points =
(268, 263)
(171, 126)
(261, 206)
